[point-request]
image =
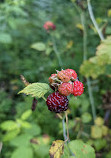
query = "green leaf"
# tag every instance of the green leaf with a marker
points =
(22, 152)
(81, 150)
(36, 89)
(23, 124)
(26, 114)
(100, 144)
(10, 135)
(34, 130)
(86, 117)
(5, 38)
(39, 46)
(21, 140)
(9, 125)
(66, 152)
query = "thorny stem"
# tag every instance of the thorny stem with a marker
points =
(94, 21)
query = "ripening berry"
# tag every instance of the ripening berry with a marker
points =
(78, 88)
(65, 89)
(72, 74)
(49, 26)
(63, 75)
(57, 102)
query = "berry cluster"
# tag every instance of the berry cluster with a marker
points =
(64, 83)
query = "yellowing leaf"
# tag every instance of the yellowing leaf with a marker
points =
(109, 13)
(69, 45)
(91, 69)
(96, 132)
(104, 50)
(97, 65)
(99, 121)
(105, 130)
(56, 149)
(79, 26)
(36, 89)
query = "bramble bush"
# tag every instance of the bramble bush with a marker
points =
(37, 38)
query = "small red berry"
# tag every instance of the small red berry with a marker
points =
(49, 26)
(57, 102)
(72, 74)
(63, 75)
(78, 88)
(65, 89)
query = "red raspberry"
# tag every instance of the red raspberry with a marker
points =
(57, 102)
(78, 88)
(63, 75)
(49, 26)
(65, 89)
(72, 74)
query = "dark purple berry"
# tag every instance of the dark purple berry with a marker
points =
(57, 102)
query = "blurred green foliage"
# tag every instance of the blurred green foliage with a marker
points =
(27, 49)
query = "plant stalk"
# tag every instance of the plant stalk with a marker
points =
(91, 98)
(94, 21)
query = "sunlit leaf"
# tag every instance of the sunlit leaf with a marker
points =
(11, 134)
(26, 114)
(39, 46)
(36, 89)
(9, 125)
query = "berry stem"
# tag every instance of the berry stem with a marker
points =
(67, 125)
(44, 98)
(59, 116)
(64, 129)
